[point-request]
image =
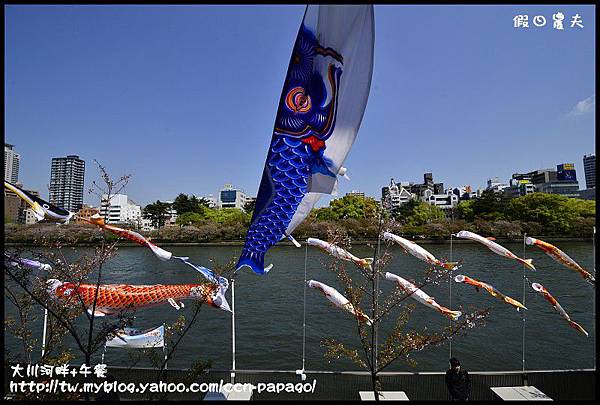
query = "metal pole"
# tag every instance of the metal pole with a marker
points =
(233, 330)
(103, 352)
(523, 312)
(450, 289)
(594, 296)
(304, 311)
(376, 296)
(44, 333)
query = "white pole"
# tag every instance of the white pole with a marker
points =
(44, 333)
(233, 330)
(103, 352)
(165, 350)
(523, 312)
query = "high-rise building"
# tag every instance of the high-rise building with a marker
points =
(66, 182)
(589, 167)
(12, 160)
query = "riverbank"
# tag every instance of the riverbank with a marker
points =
(43, 234)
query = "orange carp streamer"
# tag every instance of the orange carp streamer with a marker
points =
(561, 257)
(490, 289)
(131, 235)
(115, 298)
(542, 290)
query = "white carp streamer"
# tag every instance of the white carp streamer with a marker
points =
(420, 296)
(339, 300)
(419, 252)
(340, 253)
(496, 248)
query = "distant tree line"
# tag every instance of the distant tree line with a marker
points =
(491, 215)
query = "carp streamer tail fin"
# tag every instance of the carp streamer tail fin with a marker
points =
(451, 265)
(453, 314)
(577, 326)
(254, 260)
(528, 263)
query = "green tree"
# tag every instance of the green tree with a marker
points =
(184, 203)
(416, 212)
(465, 211)
(157, 213)
(356, 207)
(249, 206)
(227, 216)
(556, 213)
(189, 218)
(491, 206)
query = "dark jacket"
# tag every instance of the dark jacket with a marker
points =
(459, 384)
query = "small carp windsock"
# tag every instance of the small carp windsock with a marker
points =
(131, 338)
(208, 274)
(340, 253)
(42, 209)
(418, 252)
(132, 236)
(496, 248)
(339, 300)
(115, 298)
(460, 278)
(32, 264)
(540, 288)
(420, 296)
(561, 257)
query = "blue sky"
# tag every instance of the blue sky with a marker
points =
(184, 97)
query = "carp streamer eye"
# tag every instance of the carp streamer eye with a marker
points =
(298, 101)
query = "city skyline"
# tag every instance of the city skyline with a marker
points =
(149, 105)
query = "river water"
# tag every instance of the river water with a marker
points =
(269, 309)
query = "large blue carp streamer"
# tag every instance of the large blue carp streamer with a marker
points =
(321, 107)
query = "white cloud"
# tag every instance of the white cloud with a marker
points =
(584, 106)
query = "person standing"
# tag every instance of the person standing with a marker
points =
(458, 381)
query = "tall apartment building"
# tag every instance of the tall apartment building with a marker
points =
(12, 160)
(66, 182)
(589, 168)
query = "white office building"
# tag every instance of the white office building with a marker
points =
(496, 185)
(12, 161)
(230, 197)
(121, 210)
(396, 194)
